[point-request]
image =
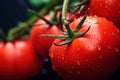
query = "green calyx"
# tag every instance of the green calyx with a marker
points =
(69, 35)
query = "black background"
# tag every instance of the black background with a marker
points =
(11, 12)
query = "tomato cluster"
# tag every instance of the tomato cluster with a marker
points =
(93, 55)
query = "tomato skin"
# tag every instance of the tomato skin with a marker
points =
(94, 56)
(105, 8)
(41, 43)
(18, 60)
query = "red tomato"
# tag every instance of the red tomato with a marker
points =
(106, 8)
(94, 56)
(18, 60)
(42, 44)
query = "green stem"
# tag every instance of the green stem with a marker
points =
(69, 35)
(70, 32)
(64, 9)
(65, 21)
(17, 32)
(58, 8)
(32, 20)
(39, 16)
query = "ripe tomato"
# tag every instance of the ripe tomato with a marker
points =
(18, 60)
(94, 56)
(106, 8)
(42, 44)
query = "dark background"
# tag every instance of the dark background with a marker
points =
(11, 12)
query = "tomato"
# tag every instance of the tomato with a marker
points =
(40, 43)
(106, 8)
(94, 56)
(18, 60)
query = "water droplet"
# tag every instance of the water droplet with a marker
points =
(109, 47)
(87, 60)
(78, 72)
(98, 66)
(93, 69)
(117, 50)
(113, 33)
(106, 2)
(78, 63)
(101, 4)
(78, 49)
(72, 67)
(70, 71)
(118, 30)
(98, 0)
(100, 57)
(119, 12)
(51, 55)
(104, 32)
(99, 39)
(72, 51)
(99, 48)
(88, 65)
(106, 6)
(93, 36)
(62, 57)
(53, 67)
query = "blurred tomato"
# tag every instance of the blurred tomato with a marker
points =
(18, 60)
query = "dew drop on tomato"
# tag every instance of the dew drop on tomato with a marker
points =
(109, 47)
(98, 66)
(88, 65)
(117, 50)
(78, 72)
(100, 57)
(70, 71)
(113, 33)
(51, 55)
(99, 48)
(93, 36)
(78, 63)
(104, 32)
(78, 49)
(119, 12)
(62, 57)
(53, 67)
(72, 67)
